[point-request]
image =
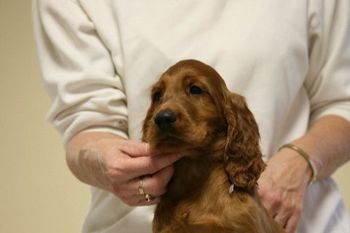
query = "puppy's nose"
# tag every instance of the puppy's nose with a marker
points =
(165, 119)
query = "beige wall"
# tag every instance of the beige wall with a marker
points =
(37, 192)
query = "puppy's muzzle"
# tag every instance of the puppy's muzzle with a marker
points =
(165, 119)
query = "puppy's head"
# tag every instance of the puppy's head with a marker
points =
(185, 113)
(192, 111)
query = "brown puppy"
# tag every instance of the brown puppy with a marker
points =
(213, 188)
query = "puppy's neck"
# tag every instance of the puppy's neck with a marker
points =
(189, 178)
(192, 171)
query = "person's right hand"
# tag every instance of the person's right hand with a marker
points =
(117, 165)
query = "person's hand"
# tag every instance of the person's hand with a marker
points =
(118, 165)
(282, 187)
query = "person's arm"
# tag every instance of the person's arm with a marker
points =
(78, 72)
(283, 184)
(327, 143)
(89, 105)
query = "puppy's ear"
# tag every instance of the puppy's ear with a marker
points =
(243, 159)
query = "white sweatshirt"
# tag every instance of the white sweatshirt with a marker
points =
(290, 59)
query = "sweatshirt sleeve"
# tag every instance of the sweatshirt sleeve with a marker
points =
(328, 80)
(78, 71)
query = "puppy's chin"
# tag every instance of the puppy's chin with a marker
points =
(173, 146)
(170, 146)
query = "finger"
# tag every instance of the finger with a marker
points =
(141, 166)
(135, 149)
(271, 200)
(149, 165)
(156, 184)
(282, 218)
(291, 224)
(286, 210)
(145, 202)
(134, 198)
(139, 200)
(272, 204)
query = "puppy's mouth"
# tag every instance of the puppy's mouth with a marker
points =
(169, 141)
(171, 132)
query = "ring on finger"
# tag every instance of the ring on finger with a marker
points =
(148, 197)
(140, 188)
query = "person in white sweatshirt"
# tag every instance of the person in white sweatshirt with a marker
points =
(290, 59)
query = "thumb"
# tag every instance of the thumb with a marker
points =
(135, 149)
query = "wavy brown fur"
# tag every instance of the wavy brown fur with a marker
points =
(219, 138)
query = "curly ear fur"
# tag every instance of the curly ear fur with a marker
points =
(243, 157)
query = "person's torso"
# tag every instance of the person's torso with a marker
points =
(260, 48)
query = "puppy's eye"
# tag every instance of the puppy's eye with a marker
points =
(157, 96)
(196, 90)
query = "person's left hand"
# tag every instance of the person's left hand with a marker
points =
(282, 187)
